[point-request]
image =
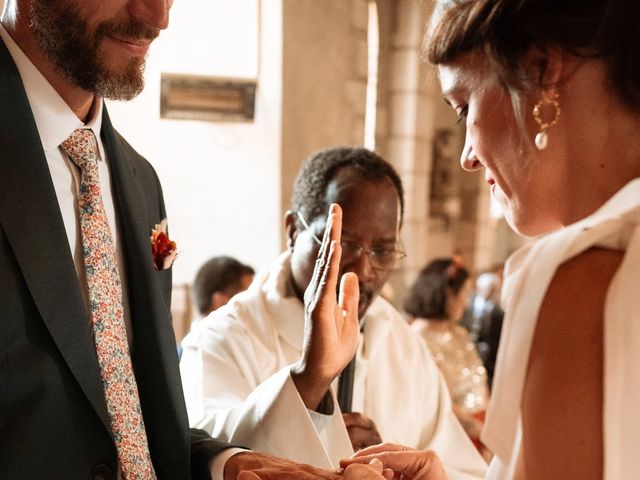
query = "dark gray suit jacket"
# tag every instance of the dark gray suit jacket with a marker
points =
(53, 418)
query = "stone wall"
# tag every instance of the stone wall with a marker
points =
(324, 80)
(440, 219)
(227, 186)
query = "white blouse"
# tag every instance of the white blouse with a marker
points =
(528, 274)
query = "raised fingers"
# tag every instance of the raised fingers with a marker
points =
(348, 304)
(325, 272)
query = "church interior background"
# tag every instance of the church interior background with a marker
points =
(316, 73)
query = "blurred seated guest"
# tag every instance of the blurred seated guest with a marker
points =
(241, 367)
(486, 319)
(219, 279)
(437, 301)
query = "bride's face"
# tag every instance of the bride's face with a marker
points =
(521, 179)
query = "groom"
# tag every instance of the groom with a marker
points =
(84, 311)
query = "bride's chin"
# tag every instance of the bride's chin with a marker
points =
(530, 226)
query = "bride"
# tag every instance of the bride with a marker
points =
(550, 95)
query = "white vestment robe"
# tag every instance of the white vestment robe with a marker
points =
(235, 369)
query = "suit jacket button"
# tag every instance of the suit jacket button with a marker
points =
(101, 472)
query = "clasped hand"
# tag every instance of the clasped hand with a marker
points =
(398, 462)
(380, 462)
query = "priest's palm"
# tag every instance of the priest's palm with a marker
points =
(331, 324)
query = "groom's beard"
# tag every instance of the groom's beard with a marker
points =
(79, 52)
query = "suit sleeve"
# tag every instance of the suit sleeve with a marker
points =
(203, 449)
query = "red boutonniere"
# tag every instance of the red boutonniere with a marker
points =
(164, 251)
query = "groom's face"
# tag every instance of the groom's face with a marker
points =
(100, 45)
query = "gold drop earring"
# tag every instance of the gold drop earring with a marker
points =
(542, 138)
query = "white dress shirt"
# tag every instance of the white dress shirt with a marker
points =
(55, 122)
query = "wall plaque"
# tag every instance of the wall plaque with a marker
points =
(214, 99)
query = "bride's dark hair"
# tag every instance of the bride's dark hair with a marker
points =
(506, 30)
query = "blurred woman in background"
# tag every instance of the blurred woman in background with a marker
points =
(436, 302)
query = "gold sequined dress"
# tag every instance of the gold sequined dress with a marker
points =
(463, 370)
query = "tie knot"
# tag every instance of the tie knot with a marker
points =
(81, 146)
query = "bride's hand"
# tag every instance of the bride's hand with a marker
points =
(407, 463)
(374, 470)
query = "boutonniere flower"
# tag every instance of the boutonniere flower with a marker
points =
(164, 251)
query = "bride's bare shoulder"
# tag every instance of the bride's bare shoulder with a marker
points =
(580, 285)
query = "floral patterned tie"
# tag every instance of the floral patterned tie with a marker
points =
(107, 316)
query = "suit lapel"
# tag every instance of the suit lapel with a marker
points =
(31, 219)
(139, 205)
(135, 222)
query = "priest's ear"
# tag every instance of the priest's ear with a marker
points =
(291, 229)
